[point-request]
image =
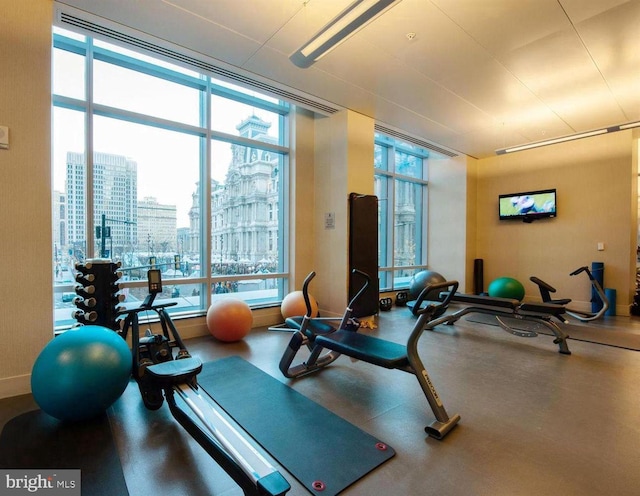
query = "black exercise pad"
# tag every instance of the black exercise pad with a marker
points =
(312, 443)
(35, 440)
(606, 337)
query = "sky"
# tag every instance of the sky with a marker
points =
(168, 162)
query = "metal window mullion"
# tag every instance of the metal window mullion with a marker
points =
(69, 103)
(284, 202)
(146, 120)
(88, 135)
(143, 67)
(424, 213)
(391, 212)
(282, 244)
(251, 100)
(248, 142)
(206, 243)
(425, 226)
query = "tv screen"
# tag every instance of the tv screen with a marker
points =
(528, 205)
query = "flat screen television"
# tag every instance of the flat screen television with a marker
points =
(528, 205)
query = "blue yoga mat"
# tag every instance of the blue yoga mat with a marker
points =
(319, 448)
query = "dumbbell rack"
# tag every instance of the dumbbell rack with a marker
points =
(97, 291)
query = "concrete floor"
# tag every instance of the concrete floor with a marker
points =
(534, 422)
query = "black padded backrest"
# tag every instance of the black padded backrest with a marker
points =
(363, 252)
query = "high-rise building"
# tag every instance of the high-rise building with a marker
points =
(157, 231)
(115, 187)
(59, 220)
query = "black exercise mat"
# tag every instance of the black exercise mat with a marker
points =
(606, 337)
(35, 440)
(312, 443)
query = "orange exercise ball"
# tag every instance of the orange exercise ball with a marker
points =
(229, 319)
(293, 305)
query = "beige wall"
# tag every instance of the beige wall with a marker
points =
(26, 303)
(302, 197)
(452, 234)
(343, 165)
(595, 180)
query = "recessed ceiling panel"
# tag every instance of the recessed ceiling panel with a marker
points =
(258, 20)
(504, 25)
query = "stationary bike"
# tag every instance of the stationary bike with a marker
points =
(584, 316)
(162, 374)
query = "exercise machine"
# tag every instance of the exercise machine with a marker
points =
(584, 316)
(165, 370)
(501, 308)
(326, 343)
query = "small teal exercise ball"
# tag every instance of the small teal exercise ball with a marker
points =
(506, 287)
(81, 373)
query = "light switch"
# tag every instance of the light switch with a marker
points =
(4, 137)
(601, 246)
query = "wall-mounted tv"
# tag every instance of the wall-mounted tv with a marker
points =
(528, 205)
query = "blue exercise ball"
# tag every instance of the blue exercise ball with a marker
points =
(506, 287)
(81, 373)
(421, 280)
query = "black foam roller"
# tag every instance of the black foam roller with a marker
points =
(478, 276)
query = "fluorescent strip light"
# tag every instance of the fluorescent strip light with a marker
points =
(342, 27)
(612, 129)
(630, 125)
(551, 141)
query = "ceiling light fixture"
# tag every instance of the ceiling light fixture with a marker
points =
(630, 125)
(571, 137)
(342, 27)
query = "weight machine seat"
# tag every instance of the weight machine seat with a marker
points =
(314, 326)
(174, 372)
(366, 348)
(544, 308)
(490, 301)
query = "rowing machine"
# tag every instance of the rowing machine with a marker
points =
(158, 371)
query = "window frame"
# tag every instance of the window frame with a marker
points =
(208, 86)
(393, 276)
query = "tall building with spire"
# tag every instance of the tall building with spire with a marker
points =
(244, 208)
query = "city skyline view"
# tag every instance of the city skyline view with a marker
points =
(148, 222)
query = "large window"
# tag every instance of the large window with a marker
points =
(401, 186)
(158, 165)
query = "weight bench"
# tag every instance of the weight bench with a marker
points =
(319, 337)
(540, 313)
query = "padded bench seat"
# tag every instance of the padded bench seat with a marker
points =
(314, 326)
(174, 371)
(486, 300)
(366, 348)
(546, 308)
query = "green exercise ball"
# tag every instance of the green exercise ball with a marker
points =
(81, 373)
(506, 287)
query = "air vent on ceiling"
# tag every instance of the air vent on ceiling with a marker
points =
(92, 28)
(414, 141)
